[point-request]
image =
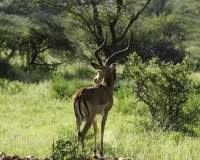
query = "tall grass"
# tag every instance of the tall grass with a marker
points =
(32, 119)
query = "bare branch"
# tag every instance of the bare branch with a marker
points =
(114, 56)
(96, 21)
(133, 19)
(113, 23)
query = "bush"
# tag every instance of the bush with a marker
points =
(3, 84)
(64, 149)
(7, 71)
(124, 100)
(11, 87)
(166, 88)
(85, 73)
(66, 146)
(4, 68)
(62, 88)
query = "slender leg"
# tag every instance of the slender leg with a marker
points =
(88, 124)
(95, 137)
(78, 124)
(103, 122)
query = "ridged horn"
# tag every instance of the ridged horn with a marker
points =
(98, 49)
(114, 55)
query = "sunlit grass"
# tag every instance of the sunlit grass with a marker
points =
(31, 119)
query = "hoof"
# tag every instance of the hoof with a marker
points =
(98, 156)
(95, 155)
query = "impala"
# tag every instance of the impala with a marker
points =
(90, 101)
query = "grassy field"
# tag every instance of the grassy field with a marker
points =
(32, 118)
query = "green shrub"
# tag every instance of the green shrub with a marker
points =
(64, 149)
(123, 93)
(7, 71)
(5, 68)
(175, 136)
(62, 88)
(3, 83)
(67, 148)
(124, 101)
(15, 87)
(11, 87)
(166, 88)
(85, 73)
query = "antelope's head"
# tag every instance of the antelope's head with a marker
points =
(104, 73)
(105, 70)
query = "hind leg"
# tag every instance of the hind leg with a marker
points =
(87, 126)
(103, 122)
(95, 137)
(78, 124)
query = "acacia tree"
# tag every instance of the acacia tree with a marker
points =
(30, 33)
(96, 16)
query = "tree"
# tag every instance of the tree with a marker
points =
(36, 40)
(32, 34)
(161, 6)
(188, 12)
(98, 16)
(160, 36)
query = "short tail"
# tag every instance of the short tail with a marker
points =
(79, 107)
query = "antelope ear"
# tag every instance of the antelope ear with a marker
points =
(96, 66)
(112, 66)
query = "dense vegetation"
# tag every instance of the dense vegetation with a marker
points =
(45, 50)
(66, 30)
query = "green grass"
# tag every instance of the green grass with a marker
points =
(31, 119)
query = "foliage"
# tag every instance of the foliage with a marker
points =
(64, 149)
(158, 7)
(166, 89)
(48, 36)
(12, 87)
(63, 88)
(96, 17)
(30, 36)
(124, 100)
(162, 38)
(6, 69)
(49, 33)
(84, 73)
(188, 13)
